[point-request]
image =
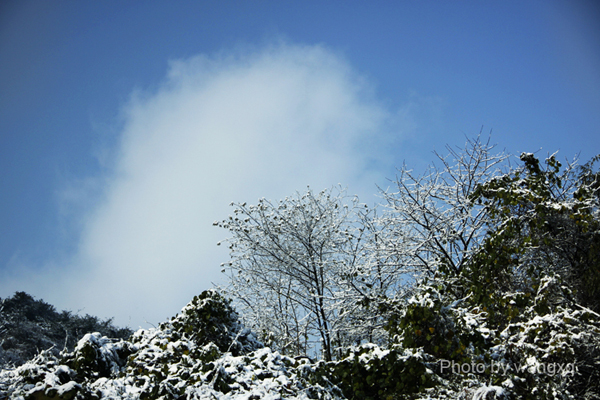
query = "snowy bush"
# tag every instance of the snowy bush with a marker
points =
(209, 318)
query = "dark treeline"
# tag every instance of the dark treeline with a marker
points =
(28, 325)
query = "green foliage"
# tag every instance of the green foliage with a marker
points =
(210, 318)
(371, 373)
(96, 356)
(543, 221)
(188, 347)
(46, 379)
(545, 336)
(438, 324)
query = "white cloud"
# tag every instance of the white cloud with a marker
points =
(232, 127)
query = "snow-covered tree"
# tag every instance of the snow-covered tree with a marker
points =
(538, 270)
(291, 264)
(544, 221)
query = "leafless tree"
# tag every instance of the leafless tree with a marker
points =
(431, 221)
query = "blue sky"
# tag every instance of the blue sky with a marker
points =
(126, 128)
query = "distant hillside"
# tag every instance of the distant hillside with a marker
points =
(28, 326)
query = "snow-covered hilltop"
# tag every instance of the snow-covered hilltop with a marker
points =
(203, 352)
(475, 283)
